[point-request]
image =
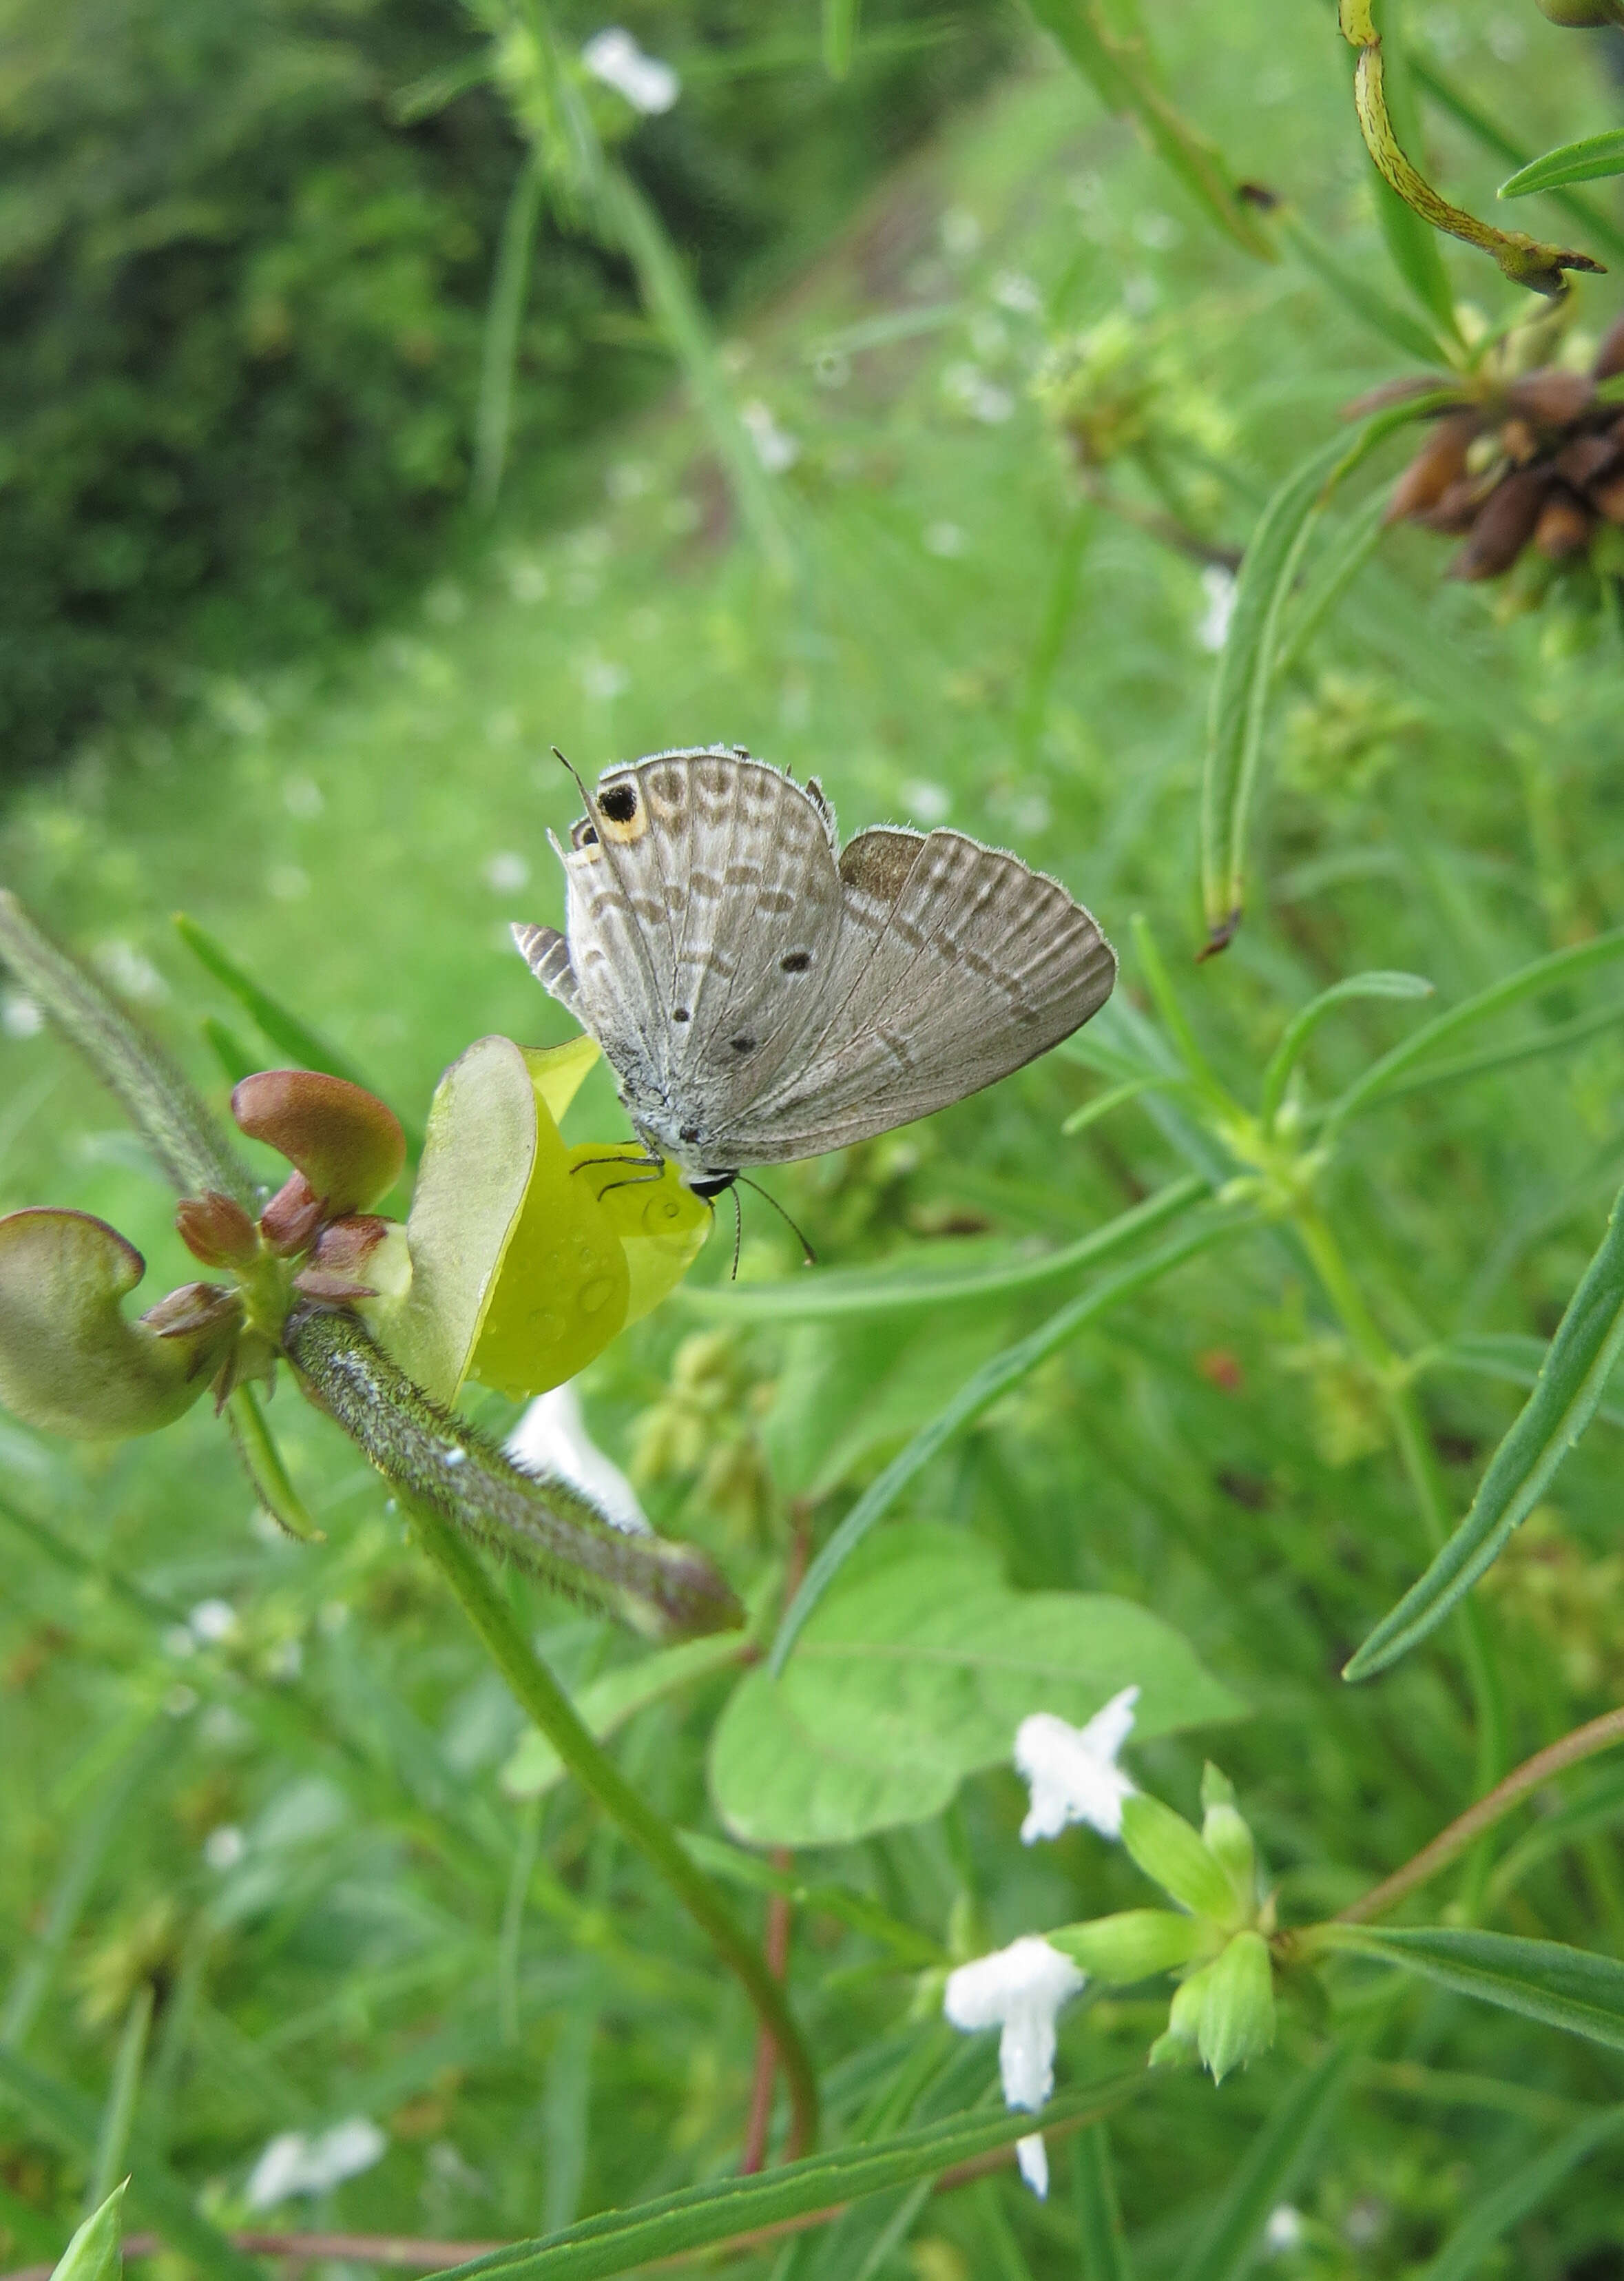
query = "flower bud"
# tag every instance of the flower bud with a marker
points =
(1228, 1839)
(209, 1309)
(1237, 2012)
(1167, 1848)
(1564, 527)
(290, 1221)
(1441, 461)
(1135, 1944)
(1552, 398)
(1503, 526)
(216, 1229)
(348, 1144)
(1608, 358)
(1179, 2046)
(352, 1259)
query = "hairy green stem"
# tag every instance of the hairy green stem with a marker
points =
(539, 1697)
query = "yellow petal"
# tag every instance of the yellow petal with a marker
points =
(556, 1072)
(661, 1222)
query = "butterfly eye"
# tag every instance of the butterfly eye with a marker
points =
(795, 961)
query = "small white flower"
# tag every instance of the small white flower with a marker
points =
(1018, 1990)
(224, 1848)
(295, 2163)
(775, 447)
(507, 873)
(130, 972)
(211, 1620)
(19, 1017)
(552, 1438)
(1072, 1770)
(1218, 585)
(1283, 2230)
(615, 57)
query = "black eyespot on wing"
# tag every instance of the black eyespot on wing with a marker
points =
(680, 1014)
(584, 835)
(795, 961)
(688, 1132)
(619, 803)
(742, 1045)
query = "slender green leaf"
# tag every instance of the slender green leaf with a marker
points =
(1553, 1040)
(118, 2114)
(1531, 2184)
(1118, 69)
(499, 360)
(618, 2242)
(978, 1393)
(840, 22)
(1547, 973)
(1114, 1097)
(1587, 160)
(1394, 322)
(1376, 983)
(158, 1101)
(1567, 1988)
(1099, 2217)
(1573, 1377)
(1494, 138)
(97, 2251)
(263, 1463)
(155, 2193)
(228, 1050)
(834, 1292)
(1338, 563)
(1265, 2172)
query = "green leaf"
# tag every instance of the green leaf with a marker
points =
(227, 1050)
(283, 1029)
(977, 1394)
(70, 1362)
(1300, 1029)
(1587, 160)
(1558, 968)
(262, 1462)
(1265, 2173)
(1517, 2197)
(159, 1103)
(1133, 1946)
(1237, 2019)
(840, 20)
(1119, 71)
(1567, 1988)
(829, 1293)
(154, 2193)
(1169, 1851)
(97, 2251)
(1494, 138)
(1572, 1378)
(510, 287)
(915, 1672)
(605, 1705)
(1339, 562)
(618, 2242)
(1099, 2217)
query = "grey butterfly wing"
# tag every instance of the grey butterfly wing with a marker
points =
(957, 964)
(703, 913)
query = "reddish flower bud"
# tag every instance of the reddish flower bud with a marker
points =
(1564, 526)
(344, 1139)
(1608, 358)
(1456, 510)
(1504, 527)
(1608, 497)
(290, 1219)
(1441, 461)
(206, 1312)
(1580, 462)
(336, 1271)
(1552, 398)
(216, 1229)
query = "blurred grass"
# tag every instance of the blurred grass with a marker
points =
(318, 1867)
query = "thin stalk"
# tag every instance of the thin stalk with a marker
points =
(545, 1702)
(1598, 1734)
(120, 2112)
(776, 1945)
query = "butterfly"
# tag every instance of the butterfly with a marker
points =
(762, 993)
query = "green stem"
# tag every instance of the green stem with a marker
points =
(539, 1697)
(1421, 1464)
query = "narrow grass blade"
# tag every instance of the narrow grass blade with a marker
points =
(155, 2193)
(977, 1394)
(1547, 973)
(1391, 320)
(1344, 554)
(284, 1030)
(509, 287)
(1377, 984)
(228, 1050)
(158, 1100)
(1119, 71)
(837, 1291)
(618, 2242)
(1266, 2173)
(118, 2114)
(1553, 1040)
(1517, 2197)
(1567, 1988)
(96, 2252)
(671, 301)
(840, 22)
(1099, 2219)
(1573, 1377)
(1587, 160)
(1116, 1096)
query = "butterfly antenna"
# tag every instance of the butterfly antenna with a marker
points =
(575, 776)
(809, 1258)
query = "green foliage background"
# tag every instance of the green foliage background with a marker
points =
(498, 1984)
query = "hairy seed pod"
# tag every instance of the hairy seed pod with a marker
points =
(1502, 527)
